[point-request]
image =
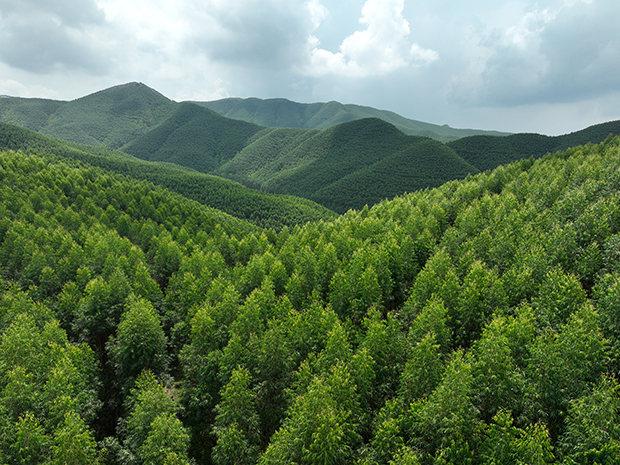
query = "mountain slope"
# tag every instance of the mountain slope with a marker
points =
(287, 114)
(487, 152)
(262, 209)
(347, 165)
(195, 137)
(110, 118)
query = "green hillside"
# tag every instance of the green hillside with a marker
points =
(286, 114)
(195, 137)
(110, 118)
(474, 323)
(415, 167)
(265, 210)
(29, 113)
(486, 152)
(326, 166)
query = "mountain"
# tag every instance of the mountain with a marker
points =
(260, 208)
(348, 165)
(306, 163)
(486, 152)
(195, 137)
(111, 118)
(360, 160)
(286, 114)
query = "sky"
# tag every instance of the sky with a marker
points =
(546, 66)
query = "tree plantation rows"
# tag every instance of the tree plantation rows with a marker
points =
(473, 323)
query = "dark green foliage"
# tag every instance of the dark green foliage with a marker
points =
(356, 163)
(488, 152)
(194, 137)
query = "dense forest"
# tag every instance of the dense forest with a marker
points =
(476, 322)
(264, 210)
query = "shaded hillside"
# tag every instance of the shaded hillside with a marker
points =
(258, 161)
(195, 137)
(286, 114)
(327, 166)
(487, 152)
(110, 118)
(265, 210)
(416, 167)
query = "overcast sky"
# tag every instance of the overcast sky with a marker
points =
(548, 66)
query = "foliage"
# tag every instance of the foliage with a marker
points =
(471, 323)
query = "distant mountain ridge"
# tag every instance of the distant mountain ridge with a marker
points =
(284, 113)
(362, 160)
(110, 118)
(487, 152)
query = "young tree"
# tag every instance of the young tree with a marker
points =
(140, 343)
(237, 423)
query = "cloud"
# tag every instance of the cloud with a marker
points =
(567, 52)
(265, 34)
(379, 49)
(16, 88)
(40, 36)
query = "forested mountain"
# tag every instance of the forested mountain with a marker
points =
(471, 323)
(111, 118)
(346, 166)
(282, 113)
(262, 209)
(486, 152)
(360, 161)
(195, 137)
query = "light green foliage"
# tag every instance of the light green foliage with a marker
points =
(593, 429)
(148, 401)
(447, 418)
(166, 442)
(320, 427)
(507, 444)
(236, 423)
(75, 444)
(474, 323)
(563, 364)
(140, 342)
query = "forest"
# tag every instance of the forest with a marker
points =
(472, 323)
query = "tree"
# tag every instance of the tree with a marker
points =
(140, 343)
(237, 423)
(505, 444)
(147, 401)
(320, 428)
(593, 426)
(75, 443)
(166, 443)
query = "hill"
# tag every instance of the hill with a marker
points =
(262, 209)
(195, 137)
(476, 322)
(283, 113)
(329, 166)
(487, 152)
(110, 118)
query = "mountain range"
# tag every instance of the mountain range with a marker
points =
(340, 156)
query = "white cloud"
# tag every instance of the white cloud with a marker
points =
(17, 89)
(379, 49)
(567, 51)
